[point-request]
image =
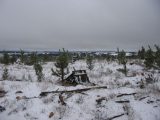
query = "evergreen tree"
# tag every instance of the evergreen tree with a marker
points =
(157, 56)
(118, 56)
(124, 61)
(13, 59)
(5, 74)
(22, 58)
(108, 57)
(121, 56)
(33, 59)
(89, 62)
(38, 69)
(61, 64)
(141, 53)
(149, 58)
(5, 59)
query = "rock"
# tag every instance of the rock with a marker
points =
(2, 109)
(98, 95)
(51, 114)
(100, 100)
(62, 100)
(19, 98)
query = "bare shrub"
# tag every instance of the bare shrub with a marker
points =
(80, 99)
(129, 111)
(154, 88)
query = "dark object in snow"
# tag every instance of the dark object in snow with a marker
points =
(99, 101)
(141, 84)
(77, 77)
(20, 98)
(19, 92)
(2, 93)
(51, 114)
(143, 98)
(126, 94)
(158, 100)
(2, 109)
(115, 116)
(124, 101)
(150, 101)
(131, 63)
(150, 79)
(61, 99)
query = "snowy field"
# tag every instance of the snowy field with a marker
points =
(123, 99)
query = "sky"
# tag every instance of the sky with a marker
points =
(79, 24)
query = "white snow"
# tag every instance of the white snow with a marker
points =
(80, 106)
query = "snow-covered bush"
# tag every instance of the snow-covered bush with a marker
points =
(89, 62)
(38, 69)
(5, 74)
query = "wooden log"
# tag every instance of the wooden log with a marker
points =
(143, 98)
(126, 94)
(71, 91)
(116, 116)
(122, 101)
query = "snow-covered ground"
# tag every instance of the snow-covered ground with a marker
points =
(122, 100)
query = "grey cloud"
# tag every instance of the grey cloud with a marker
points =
(79, 24)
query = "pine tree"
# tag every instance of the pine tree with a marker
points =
(5, 74)
(123, 60)
(121, 56)
(6, 58)
(33, 59)
(89, 62)
(13, 59)
(141, 53)
(61, 64)
(149, 58)
(22, 58)
(157, 56)
(38, 69)
(118, 56)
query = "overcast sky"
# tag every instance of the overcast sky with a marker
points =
(79, 24)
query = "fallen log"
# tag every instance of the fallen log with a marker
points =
(122, 101)
(143, 98)
(24, 97)
(72, 91)
(126, 94)
(115, 116)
